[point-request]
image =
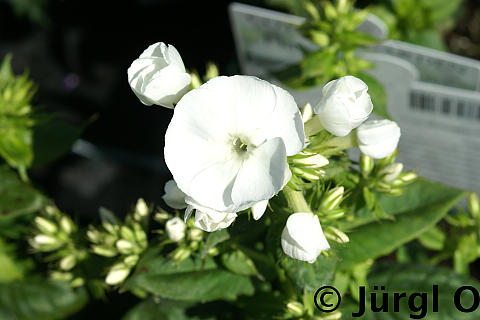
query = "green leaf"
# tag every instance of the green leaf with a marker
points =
(190, 280)
(310, 275)
(239, 263)
(16, 142)
(318, 63)
(52, 139)
(16, 197)
(419, 194)
(39, 299)
(9, 268)
(466, 252)
(414, 214)
(154, 309)
(377, 94)
(433, 238)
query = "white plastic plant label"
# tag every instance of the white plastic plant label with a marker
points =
(433, 95)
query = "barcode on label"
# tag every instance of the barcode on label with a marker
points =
(447, 106)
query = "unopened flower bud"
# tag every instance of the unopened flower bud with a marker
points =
(332, 198)
(305, 174)
(175, 228)
(312, 160)
(295, 308)
(196, 82)
(211, 71)
(474, 205)
(141, 208)
(195, 234)
(391, 172)
(161, 216)
(181, 254)
(125, 246)
(117, 274)
(104, 251)
(404, 178)
(50, 210)
(67, 263)
(77, 282)
(131, 261)
(366, 165)
(67, 224)
(213, 251)
(336, 235)
(127, 233)
(45, 226)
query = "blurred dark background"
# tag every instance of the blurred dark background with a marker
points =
(78, 53)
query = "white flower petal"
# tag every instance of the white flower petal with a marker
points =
(226, 143)
(258, 209)
(174, 197)
(262, 174)
(211, 220)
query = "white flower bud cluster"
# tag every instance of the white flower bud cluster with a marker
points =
(54, 235)
(125, 240)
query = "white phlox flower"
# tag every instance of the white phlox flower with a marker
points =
(228, 142)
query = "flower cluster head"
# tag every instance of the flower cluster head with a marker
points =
(229, 139)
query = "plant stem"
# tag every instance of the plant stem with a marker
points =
(296, 200)
(336, 144)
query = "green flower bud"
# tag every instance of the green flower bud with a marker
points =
(295, 308)
(131, 261)
(211, 71)
(117, 274)
(105, 251)
(474, 205)
(125, 246)
(67, 224)
(307, 112)
(332, 198)
(67, 263)
(127, 233)
(161, 217)
(366, 165)
(195, 234)
(45, 226)
(390, 172)
(141, 210)
(195, 80)
(77, 282)
(181, 254)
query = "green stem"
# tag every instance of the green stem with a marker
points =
(313, 126)
(337, 144)
(296, 200)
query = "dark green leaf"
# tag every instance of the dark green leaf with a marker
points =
(239, 263)
(16, 197)
(415, 213)
(39, 299)
(213, 239)
(52, 139)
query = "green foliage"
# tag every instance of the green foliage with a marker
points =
(189, 280)
(414, 214)
(16, 197)
(153, 309)
(419, 22)
(39, 299)
(16, 118)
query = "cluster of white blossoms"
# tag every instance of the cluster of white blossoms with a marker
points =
(228, 142)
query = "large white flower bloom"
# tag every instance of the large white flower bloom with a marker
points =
(158, 76)
(344, 105)
(175, 228)
(174, 197)
(303, 238)
(228, 142)
(378, 138)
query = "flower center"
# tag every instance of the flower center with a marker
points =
(240, 146)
